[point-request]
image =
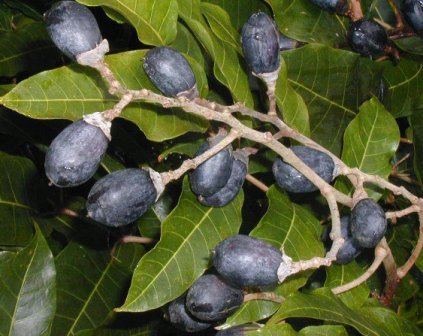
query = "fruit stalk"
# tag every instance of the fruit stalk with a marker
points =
(217, 112)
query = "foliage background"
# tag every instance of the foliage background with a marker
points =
(58, 273)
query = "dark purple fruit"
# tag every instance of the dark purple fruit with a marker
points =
(232, 188)
(368, 223)
(338, 6)
(211, 298)
(247, 261)
(413, 12)
(213, 174)
(260, 43)
(75, 154)
(181, 319)
(170, 72)
(290, 179)
(349, 250)
(121, 197)
(72, 27)
(367, 37)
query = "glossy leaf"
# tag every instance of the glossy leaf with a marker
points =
(273, 330)
(17, 174)
(290, 227)
(333, 83)
(227, 68)
(72, 91)
(186, 43)
(304, 21)
(404, 84)
(416, 121)
(291, 104)
(240, 10)
(413, 45)
(155, 21)
(325, 330)
(371, 140)
(91, 282)
(28, 290)
(323, 305)
(25, 49)
(293, 229)
(338, 275)
(188, 236)
(220, 23)
(6, 18)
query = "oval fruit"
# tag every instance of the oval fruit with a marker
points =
(232, 188)
(290, 179)
(170, 72)
(72, 28)
(211, 298)
(260, 43)
(247, 261)
(213, 174)
(121, 197)
(368, 223)
(75, 154)
(413, 12)
(179, 317)
(367, 37)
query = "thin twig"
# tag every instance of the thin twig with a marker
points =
(260, 185)
(380, 254)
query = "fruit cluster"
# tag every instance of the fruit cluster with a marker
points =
(123, 196)
(240, 261)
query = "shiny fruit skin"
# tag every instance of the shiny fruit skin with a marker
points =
(72, 28)
(121, 197)
(75, 154)
(290, 179)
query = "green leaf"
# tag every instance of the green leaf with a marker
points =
(291, 104)
(240, 10)
(273, 330)
(72, 91)
(25, 49)
(227, 68)
(91, 282)
(338, 275)
(17, 174)
(150, 329)
(304, 21)
(413, 45)
(155, 21)
(323, 305)
(28, 290)
(220, 24)
(333, 83)
(290, 227)
(370, 141)
(287, 226)
(416, 121)
(188, 236)
(404, 83)
(186, 43)
(326, 330)
(6, 18)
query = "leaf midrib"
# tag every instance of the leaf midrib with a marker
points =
(195, 228)
(20, 290)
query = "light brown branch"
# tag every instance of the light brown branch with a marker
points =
(380, 254)
(260, 185)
